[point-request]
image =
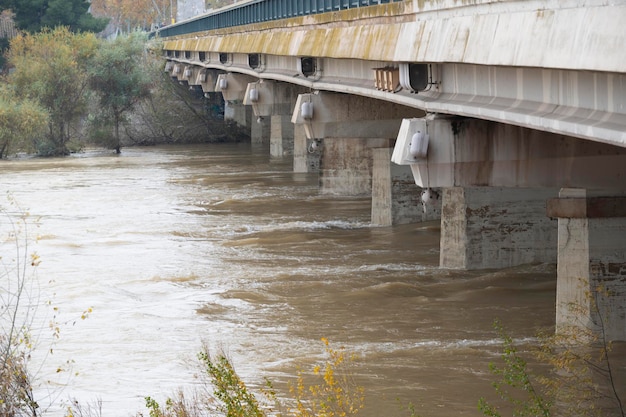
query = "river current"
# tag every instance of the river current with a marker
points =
(173, 247)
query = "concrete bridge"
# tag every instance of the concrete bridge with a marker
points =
(505, 118)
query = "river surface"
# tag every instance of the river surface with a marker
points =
(173, 247)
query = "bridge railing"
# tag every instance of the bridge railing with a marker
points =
(261, 11)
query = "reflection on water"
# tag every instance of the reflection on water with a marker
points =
(176, 246)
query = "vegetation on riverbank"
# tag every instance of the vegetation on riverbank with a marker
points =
(66, 90)
(333, 392)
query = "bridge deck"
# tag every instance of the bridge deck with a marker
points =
(556, 65)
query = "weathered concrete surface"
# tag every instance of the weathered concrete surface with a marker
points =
(238, 113)
(281, 135)
(272, 98)
(346, 167)
(396, 199)
(350, 127)
(553, 65)
(472, 152)
(487, 32)
(260, 131)
(489, 227)
(305, 158)
(341, 115)
(591, 270)
(275, 102)
(233, 86)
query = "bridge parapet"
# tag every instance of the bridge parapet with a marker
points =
(564, 34)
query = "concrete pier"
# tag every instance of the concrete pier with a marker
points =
(591, 271)
(396, 199)
(492, 227)
(307, 153)
(281, 135)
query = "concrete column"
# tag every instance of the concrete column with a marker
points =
(396, 199)
(493, 227)
(281, 135)
(591, 271)
(347, 164)
(306, 152)
(259, 130)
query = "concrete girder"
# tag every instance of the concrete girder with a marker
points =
(188, 74)
(233, 86)
(207, 79)
(471, 152)
(349, 128)
(539, 34)
(176, 70)
(346, 116)
(269, 98)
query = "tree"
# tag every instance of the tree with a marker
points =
(51, 68)
(21, 121)
(129, 14)
(35, 15)
(20, 303)
(118, 78)
(16, 316)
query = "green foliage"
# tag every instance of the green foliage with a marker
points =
(117, 76)
(515, 385)
(36, 15)
(235, 398)
(228, 396)
(22, 121)
(51, 69)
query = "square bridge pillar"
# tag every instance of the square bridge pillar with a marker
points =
(591, 268)
(493, 227)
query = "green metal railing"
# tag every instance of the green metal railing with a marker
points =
(261, 11)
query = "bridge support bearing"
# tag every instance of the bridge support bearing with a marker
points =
(591, 271)
(396, 199)
(492, 227)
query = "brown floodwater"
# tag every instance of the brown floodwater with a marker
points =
(173, 247)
